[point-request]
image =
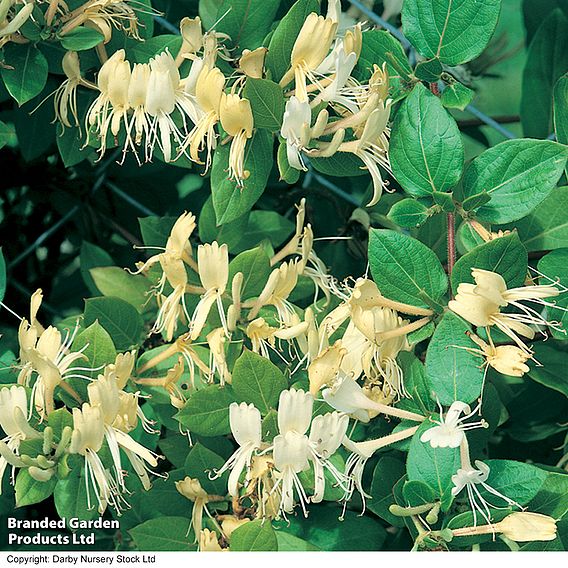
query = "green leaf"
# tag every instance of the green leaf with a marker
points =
(255, 267)
(284, 36)
(454, 373)
(426, 149)
(387, 472)
(433, 466)
(229, 200)
(560, 109)
(265, 225)
(164, 534)
(119, 318)
(287, 173)
(30, 491)
(115, 281)
(551, 497)
(70, 144)
(405, 269)
(155, 231)
(92, 256)
(98, 346)
(290, 543)
(200, 463)
(324, 530)
(429, 70)
(417, 493)
(506, 255)
(555, 266)
(143, 51)
(267, 103)
(457, 96)
(24, 71)
(254, 536)
(341, 164)
(551, 371)
(70, 497)
(207, 411)
(547, 61)
(378, 47)
(258, 381)
(408, 213)
(455, 31)
(517, 174)
(230, 233)
(416, 383)
(81, 39)
(2, 276)
(246, 21)
(517, 481)
(546, 228)
(7, 135)
(58, 420)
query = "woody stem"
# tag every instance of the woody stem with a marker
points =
(451, 242)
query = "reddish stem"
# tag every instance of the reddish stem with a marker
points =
(451, 242)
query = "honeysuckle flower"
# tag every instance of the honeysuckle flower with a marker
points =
(346, 395)
(296, 130)
(372, 147)
(208, 93)
(86, 440)
(263, 336)
(506, 359)
(192, 34)
(65, 96)
(246, 427)
(208, 542)
(237, 121)
(361, 452)
(52, 359)
(526, 527)
(103, 15)
(123, 367)
(450, 430)
(251, 63)
(323, 369)
(469, 478)
(326, 435)
(16, 21)
(13, 411)
(118, 420)
(108, 110)
(191, 489)
(278, 287)
(213, 267)
(218, 361)
(480, 304)
(311, 47)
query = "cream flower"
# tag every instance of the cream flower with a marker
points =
(481, 304)
(13, 411)
(213, 267)
(86, 440)
(237, 121)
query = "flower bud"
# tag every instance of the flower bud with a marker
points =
(527, 527)
(191, 489)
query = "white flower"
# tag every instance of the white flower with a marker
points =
(469, 478)
(450, 429)
(246, 427)
(296, 130)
